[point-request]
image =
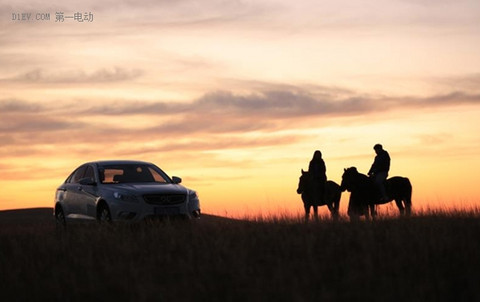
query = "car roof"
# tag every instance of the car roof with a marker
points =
(119, 162)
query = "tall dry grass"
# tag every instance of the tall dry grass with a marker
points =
(428, 257)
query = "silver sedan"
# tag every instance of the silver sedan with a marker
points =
(122, 191)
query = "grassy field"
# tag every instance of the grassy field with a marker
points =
(428, 257)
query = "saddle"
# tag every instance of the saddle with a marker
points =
(378, 193)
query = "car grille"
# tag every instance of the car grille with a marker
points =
(163, 199)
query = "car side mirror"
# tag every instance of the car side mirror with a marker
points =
(87, 181)
(176, 180)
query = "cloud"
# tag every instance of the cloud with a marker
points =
(119, 108)
(455, 98)
(434, 139)
(281, 104)
(37, 124)
(116, 74)
(15, 105)
(215, 112)
(221, 119)
(469, 82)
(214, 143)
(6, 140)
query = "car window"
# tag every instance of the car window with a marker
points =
(110, 174)
(157, 176)
(69, 179)
(77, 175)
(89, 173)
(132, 173)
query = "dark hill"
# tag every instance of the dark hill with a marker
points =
(44, 215)
(33, 215)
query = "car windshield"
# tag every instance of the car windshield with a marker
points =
(132, 173)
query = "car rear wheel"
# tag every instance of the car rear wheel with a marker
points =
(104, 214)
(60, 217)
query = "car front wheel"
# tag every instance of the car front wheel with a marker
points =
(60, 217)
(104, 214)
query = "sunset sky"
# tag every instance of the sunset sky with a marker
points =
(235, 96)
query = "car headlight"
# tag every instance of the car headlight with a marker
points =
(192, 195)
(124, 197)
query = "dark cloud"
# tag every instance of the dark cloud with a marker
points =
(264, 105)
(449, 99)
(14, 105)
(220, 118)
(225, 112)
(269, 104)
(16, 124)
(104, 75)
(136, 107)
(281, 104)
(37, 126)
(469, 82)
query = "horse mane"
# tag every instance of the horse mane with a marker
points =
(357, 179)
(351, 169)
(354, 170)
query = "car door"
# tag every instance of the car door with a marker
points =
(87, 194)
(71, 193)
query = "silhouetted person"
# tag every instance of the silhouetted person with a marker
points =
(318, 170)
(379, 169)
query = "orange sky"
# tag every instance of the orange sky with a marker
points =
(234, 96)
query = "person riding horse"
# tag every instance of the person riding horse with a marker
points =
(318, 170)
(379, 170)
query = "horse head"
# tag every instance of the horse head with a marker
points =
(348, 178)
(302, 182)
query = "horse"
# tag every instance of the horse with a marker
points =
(365, 195)
(310, 198)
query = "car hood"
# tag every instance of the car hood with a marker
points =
(154, 188)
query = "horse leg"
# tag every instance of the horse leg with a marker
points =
(307, 212)
(331, 208)
(373, 210)
(408, 205)
(315, 212)
(336, 211)
(366, 211)
(336, 205)
(400, 206)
